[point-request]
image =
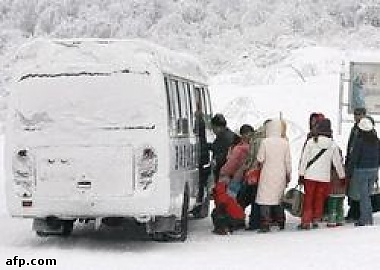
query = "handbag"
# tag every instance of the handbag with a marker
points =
(252, 175)
(292, 201)
(337, 186)
(375, 198)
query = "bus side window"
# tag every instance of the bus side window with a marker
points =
(190, 105)
(199, 110)
(170, 102)
(180, 107)
(207, 107)
(176, 105)
(193, 105)
(184, 117)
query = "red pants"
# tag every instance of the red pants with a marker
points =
(315, 195)
(221, 198)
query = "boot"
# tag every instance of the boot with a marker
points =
(281, 225)
(340, 211)
(264, 225)
(332, 211)
(355, 208)
(237, 224)
(264, 228)
(303, 226)
(254, 218)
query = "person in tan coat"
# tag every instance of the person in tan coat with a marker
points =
(275, 159)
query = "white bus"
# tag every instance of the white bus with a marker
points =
(104, 130)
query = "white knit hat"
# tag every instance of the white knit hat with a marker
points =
(365, 124)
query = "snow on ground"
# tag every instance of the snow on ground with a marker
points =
(346, 247)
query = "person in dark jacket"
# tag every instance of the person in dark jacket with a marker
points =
(364, 165)
(224, 139)
(203, 159)
(353, 211)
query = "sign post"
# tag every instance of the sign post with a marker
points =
(363, 89)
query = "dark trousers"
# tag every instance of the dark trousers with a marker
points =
(254, 217)
(353, 210)
(270, 214)
(246, 197)
(204, 173)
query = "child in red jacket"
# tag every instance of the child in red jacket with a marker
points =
(228, 214)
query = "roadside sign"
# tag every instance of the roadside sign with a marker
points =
(364, 87)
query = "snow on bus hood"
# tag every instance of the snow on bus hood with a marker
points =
(113, 100)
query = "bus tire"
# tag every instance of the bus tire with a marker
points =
(181, 230)
(161, 237)
(42, 234)
(67, 227)
(184, 216)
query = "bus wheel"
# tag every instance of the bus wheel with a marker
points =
(181, 230)
(67, 227)
(183, 226)
(162, 237)
(42, 234)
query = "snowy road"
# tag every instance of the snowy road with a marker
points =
(340, 248)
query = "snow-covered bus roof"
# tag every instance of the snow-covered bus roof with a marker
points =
(57, 56)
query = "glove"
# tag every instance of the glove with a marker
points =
(301, 180)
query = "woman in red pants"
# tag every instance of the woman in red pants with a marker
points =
(319, 153)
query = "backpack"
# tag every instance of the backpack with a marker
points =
(254, 145)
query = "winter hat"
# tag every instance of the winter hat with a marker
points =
(365, 124)
(324, 127)
(317, 116)
(218, 120)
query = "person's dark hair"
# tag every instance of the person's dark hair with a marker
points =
(317, 116)
(218, 120)
(360, 111)
(244, 129)
(313, 115)
(323, 129)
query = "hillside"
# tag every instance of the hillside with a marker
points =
(227, 35)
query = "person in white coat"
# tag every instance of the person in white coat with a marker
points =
(314, 173)
(275, 160)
